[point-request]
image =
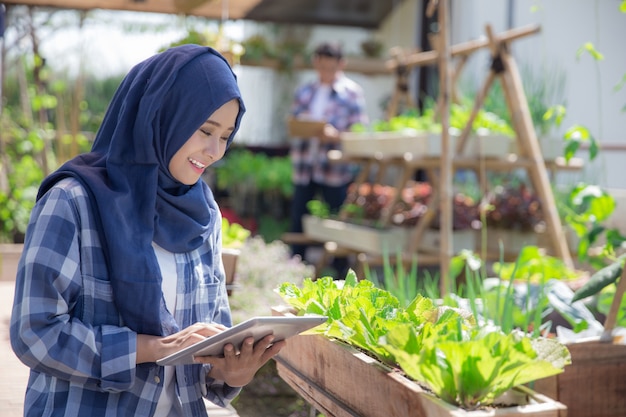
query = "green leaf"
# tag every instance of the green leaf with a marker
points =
(556, 113)
(576, 313)
(600, 279)
(622, 6)
(591, 50)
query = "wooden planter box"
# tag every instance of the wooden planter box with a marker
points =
(551, 147)
(421, 144)
(461, 239)
(380, 241)
(594, 385)
(484, 145)
(229, 259)
(10, 254)
(381, 144)
(356, 237)
(340, 381)
(304, 128)
(513, 241)
(492, 145)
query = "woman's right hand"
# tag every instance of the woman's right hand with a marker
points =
(150, 348)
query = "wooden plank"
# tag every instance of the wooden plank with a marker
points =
(594, 384)
(10, 254)
(298, 239)
(446, 168)
(204, 8)
(311, 392)
(363, 386)
(360, 65)
(466, 48)
(229, 259)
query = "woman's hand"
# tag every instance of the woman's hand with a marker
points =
(238, 368)
(150, 348)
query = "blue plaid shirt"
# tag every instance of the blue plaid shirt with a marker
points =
(66, 329)
(346, 106)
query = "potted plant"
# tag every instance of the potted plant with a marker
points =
(513, 219)
(234, 236)
(406, 133)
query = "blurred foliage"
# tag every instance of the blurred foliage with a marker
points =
(257, 185)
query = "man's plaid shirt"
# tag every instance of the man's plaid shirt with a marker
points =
(309, 157)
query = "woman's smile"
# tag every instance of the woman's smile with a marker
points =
(199, 166)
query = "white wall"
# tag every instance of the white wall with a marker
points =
(589, 85)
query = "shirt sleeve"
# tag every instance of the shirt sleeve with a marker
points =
(64, 322)
(301, 100)
(218, 392)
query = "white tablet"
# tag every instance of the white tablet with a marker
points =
(282, 327)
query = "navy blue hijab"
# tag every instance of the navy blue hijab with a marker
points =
(156, 109)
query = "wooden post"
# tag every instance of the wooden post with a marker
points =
(445, 201)
(528, 145)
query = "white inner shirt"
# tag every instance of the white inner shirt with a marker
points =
(320, 102)
(168, 404)
(317, 111)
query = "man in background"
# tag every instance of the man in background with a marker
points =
(339, 102)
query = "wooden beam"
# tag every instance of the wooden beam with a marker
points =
(465, 48)
(529, 148)
(187, 6)
(446, 172)
(212, 9)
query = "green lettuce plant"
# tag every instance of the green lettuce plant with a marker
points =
(474, 368)
(441, 347)
(234, 235)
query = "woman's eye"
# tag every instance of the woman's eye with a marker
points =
(206, 132)
(225, 138)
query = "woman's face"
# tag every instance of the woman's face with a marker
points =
(206, 146)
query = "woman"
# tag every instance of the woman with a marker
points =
(122, 257)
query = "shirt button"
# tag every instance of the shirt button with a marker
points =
(157, 379)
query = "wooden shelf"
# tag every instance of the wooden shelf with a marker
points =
(408, 164)
(505, 163)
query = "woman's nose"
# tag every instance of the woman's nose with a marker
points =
(212, 148)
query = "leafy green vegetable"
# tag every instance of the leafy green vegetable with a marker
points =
(535, 266)
(443, 347)
(233, 234)
(485, 121)
(358, 312)
(474, 371)
(318, 208)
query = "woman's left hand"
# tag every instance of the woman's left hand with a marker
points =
(238, 368)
